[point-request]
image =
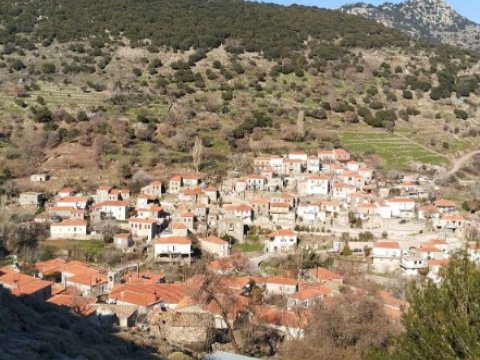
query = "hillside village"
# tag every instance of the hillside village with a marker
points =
(326, 203)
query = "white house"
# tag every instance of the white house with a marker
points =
(281, 241)
(316, 185)
(340, 190)
(69, 228)
(173, 248)
(401, 207)
(386, 256)
(143, 228)
(122, 241)
(78, 202)
(215, 246)
(308, 213)
(117, 209)
(255, 182)
(154, 189)
(313, 164)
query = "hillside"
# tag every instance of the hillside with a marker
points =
(44, 331)
(126, 92)
(428, 19)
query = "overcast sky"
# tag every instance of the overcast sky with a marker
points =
(468, 8)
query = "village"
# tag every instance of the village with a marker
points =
(326, 204)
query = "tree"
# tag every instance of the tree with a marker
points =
(441, 321)
(197, 152)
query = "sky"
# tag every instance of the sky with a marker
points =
(468, 8)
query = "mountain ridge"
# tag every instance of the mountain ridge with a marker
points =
(431, 20)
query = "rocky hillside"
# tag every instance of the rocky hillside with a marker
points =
(427, 19)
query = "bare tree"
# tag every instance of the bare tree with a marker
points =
(197, 153)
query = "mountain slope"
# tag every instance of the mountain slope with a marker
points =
(427, 19)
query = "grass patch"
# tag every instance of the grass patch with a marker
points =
(92, 247)
(396, 151)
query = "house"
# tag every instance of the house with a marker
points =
(39, 177)
(298, 155)
(315, 185)
(146, 297)
(152, 211)
(78, 202)
(386, 256)
(308, 214)
(103, 193)
(291, 323)
(309, 294)
(116, 209)
(69, 229)
(50, 268)
(61, 212)
(412, 264)
(260, 207)
(212, 194)
(449, 221)
(30, 198)
(187, 218)
(143, 277)
(123, 316)
(340, 190)
(278, 285)
(215, 246)
(321, 274)
(241, 211)
(334, 155)
(66, 192)
(279, 208)
(445, 206)
(191, 180)
(122, 241)
(155, 188)
(175, 185)
(89, 284)
(401, 207)
(313, 164)
(143, 200)
(428, 212)
(25, 286)
(173, 248)
(79, 305)
(292, 166)
(255, 182)
(232, 227)
(434, 267)
(281, 241)
(143, 228)
(191, 195)
(240, 186)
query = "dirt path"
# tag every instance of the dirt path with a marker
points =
(458, 164)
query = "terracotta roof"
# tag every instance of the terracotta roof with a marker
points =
(66, 190)
(148, 294)
(278, 317)
(260, 201)
(50, 266)
(193, 191)
(429, 249)
(20, 284)
(453, 217)
(278, 280)
(105, 187)
(71, 222)
(311, 292)
(74, 199)
(124, 235)
(282, 232)
(176, 178)
(388, 299)
(178, 226)
(386, 245)
(279, 205)
(318, 177)
(80, 305)
(399, 200)
(88, 279)
(444, 203)
(181, 240)
(111, 203)
(142, 221)
(437, 262)
(144, 277)
(214, 240)
(321, 273)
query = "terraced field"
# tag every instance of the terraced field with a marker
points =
(397, 151)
